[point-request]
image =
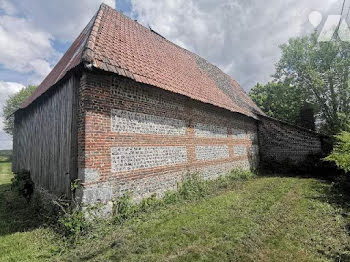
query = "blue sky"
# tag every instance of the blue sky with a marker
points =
(241, 37)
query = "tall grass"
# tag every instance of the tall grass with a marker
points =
(192, 187)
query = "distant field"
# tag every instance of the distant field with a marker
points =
(5, 152)
(22, 238)
(263, 219)
(5, 155)
(8, 152)
(5, 172)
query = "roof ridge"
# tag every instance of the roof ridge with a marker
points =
(191, 53)
(70, 59)
(88, 51)
(113, 42)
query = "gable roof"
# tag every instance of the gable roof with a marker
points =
(115, 43)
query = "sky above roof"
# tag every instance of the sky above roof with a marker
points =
(240, 37)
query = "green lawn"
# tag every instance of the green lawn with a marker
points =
(5, 173)
(263, 219)
(21, 237)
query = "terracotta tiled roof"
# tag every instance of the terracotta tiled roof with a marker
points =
(116, 43)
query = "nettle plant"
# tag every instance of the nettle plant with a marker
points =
(341, 151)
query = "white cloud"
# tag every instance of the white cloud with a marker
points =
(64, 19)
(241, 37)
(40, 66)
(28, 28)
(24, 48)
(27, 31)
(8, 7)
(7, 89)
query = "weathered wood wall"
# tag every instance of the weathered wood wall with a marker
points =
(45, 138)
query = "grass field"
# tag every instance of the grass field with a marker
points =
(21, 237)
(262, 219)
(5, 173)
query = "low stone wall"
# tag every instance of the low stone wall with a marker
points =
(280, 142)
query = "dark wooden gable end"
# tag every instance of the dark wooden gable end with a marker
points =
(45, 138)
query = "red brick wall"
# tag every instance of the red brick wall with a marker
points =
(143, 139)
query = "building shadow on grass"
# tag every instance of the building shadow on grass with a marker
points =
(338, 194)
(337, 191)
(16, 214)
(334, 190)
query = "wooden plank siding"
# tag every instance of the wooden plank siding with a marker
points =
(45, 138)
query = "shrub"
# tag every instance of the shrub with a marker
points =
(65, 215)
(238, 174)
(124, 208)
(193, 187)
(341, 152)
(149, 202)
(23, 183)
(72, 222)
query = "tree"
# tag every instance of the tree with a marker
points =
(320, 71)
(12, 104)
(313, 73)
(279, 100)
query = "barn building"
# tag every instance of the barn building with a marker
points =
(127, 110)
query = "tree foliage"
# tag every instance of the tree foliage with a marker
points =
(278, 100)
(319, 73)
(12, 104)
(341, 151)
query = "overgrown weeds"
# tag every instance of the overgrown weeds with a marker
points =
(72, 221)
(227, 219)
(64, 215)
(192, 188)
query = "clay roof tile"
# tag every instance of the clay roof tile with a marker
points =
(118, 44)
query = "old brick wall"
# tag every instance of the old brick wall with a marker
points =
(134, 137)
(280, 142)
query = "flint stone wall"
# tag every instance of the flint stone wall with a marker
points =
(281, 142)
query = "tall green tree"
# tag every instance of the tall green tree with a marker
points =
(12, 104)
(319, 73)
(279, 100)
